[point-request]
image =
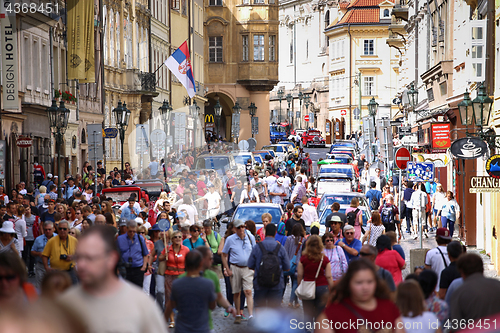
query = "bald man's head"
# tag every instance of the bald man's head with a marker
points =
(369, 252)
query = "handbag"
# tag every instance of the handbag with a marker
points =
(293, 262)
(306, 290)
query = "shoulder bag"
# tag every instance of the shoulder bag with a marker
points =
(293, 262)
(307, 289)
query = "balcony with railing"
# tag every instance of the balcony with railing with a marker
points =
(400, 10)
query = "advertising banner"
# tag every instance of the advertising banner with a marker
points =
(10, 69)
(441, 136)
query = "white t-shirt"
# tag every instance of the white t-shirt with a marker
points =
(125, 204)
(259, 187)
(286, 184)
(191, 211)
(427, 322)
(434, 259)
(20, 228)
(270, 181)
(309, 215)
(127, 310)
(304, 178)
(213, 200)
(253, 195)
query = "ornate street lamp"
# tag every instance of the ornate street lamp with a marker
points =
(252, 109)
(218, 113)
(281, 93)
(194, 109)
(413, 96)
(372, 107)
(122, 117)
(465, 110)
(165, 111)
(301, 97)
(58, 121)
(307, 100)
(289, 99)
(236, 121)
(482, 107)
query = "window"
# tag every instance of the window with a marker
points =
(430, 95)
(184, 7)
(215, 49)
(258, 48)
(175, 4)
(36, 61)
(307, 49)
(245, 48)
(291, 52)
(272, 48)
(215, 2)
(258, 1)
(327, 19)
(386, 12)
(369, 86)
(271, 1)
(368, 47)
(246, 2)
(477, 46)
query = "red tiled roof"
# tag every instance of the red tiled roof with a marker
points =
(344, 4)
(365, 3)
(361, 15)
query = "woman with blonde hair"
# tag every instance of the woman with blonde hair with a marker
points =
(159, 203)
(175, 256)
(75, 232)
(438, 201)
(314, 265)
(359, 217)
(40, 197)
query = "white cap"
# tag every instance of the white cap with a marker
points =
(49, 175)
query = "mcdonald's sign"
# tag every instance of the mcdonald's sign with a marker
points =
(209, 118)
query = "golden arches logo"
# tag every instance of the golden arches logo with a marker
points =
(209, 118)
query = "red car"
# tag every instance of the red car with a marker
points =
(313, 138)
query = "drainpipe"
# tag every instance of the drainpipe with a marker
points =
(350, 82)
(416, 45)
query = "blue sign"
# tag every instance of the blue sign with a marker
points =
(110, 133)
(420, 172)
(164, 225)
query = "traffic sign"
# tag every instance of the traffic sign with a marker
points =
(402, 158)
(158, 138)
(420, 172)
(141, 139)
(404, 130)
(343, 112)
(306, 117)
(409, 140)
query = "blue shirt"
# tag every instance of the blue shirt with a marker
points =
(129, 214)
(239, 249)
(399, 249)
(69, 191)
(132, 249)
(39, 245)
(356, 244)
(373, 195)
(190, 245)
(256, 257)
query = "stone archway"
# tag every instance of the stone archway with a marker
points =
(223, 128)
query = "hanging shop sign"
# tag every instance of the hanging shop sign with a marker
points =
(493, 166)
(420, 172)
(24, 142)
(441, 136)
(468, 148)
(484, 184)
(440, 160)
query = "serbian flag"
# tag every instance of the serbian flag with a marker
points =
(180, 65)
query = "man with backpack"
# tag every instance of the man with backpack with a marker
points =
(389, 214)
(374, 196)
(269, 260)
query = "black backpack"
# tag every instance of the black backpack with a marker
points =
(269, 268)
(387, 214)
(374, 202)
(351, 217)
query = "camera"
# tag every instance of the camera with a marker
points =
(63, 257)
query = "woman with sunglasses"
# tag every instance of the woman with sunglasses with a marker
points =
(195, 240)
(8, 240)
(146, 283)
(336, 255)
(360, 294)
(175, 256)
(74, 232)
(77, 223)
(70, 214)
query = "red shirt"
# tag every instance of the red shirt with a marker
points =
(392, 261)
(311, 267)
(176, 260)
(386, 312)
